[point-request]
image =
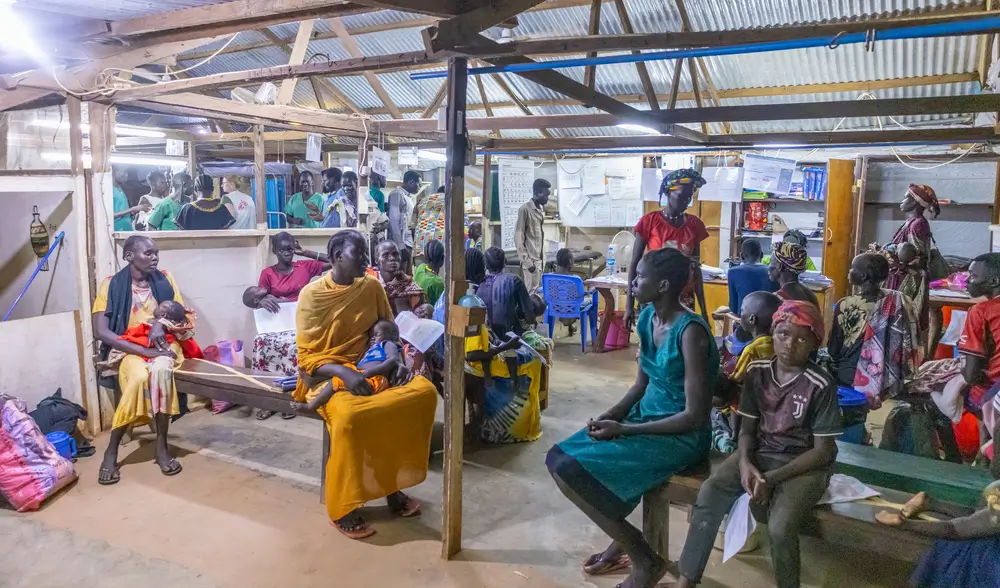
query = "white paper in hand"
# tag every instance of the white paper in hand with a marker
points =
(270, 322)
(421, 333)
(740, 526)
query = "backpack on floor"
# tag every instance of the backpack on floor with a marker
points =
(31, 469)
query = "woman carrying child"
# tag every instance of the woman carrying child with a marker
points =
(659, 428)
(379, 443)
(786, 448)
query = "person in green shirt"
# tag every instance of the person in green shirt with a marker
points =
(426, 275)
(376, 183)
(165, 213)
(123, 213)
(298, 207)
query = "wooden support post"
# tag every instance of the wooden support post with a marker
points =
(192, 159)
(488, 198)
(4, 127)
(78, 240)
(260, 178)
(454, 383)
(675, 84)
(297, 56)
(697, 92)
(593, 28)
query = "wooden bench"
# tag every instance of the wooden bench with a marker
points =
(209, 380)
(896, 476)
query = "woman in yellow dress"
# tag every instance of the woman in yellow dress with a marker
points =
(379, 443)
(145, 375)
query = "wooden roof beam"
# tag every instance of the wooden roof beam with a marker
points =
(352, 47)
(593, 28)
(296, 57)
(484, 15)
(640, 68)
(509, 92)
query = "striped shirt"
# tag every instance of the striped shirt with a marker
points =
(791, 415)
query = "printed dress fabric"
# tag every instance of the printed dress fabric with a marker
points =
(511, 410)
(911, 280)
(890, 350)
(275, 353)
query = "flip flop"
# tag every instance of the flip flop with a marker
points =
(116, 477)
(410, 508)
(363, 531)
(173, 468)
(288, 416)
(263, 415)
(623, 562)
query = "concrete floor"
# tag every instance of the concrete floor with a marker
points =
(245, 512)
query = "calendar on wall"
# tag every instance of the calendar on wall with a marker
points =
(516, 177)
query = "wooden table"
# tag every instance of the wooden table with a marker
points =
(605, 287)
(935, 319)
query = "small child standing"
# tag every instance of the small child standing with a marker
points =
(786, 449)
(378, 365)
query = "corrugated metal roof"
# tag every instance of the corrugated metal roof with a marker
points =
(114, 9)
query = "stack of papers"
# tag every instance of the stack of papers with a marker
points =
(709, 272)
(270, 322)
(814, 278)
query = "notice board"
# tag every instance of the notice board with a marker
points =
(600, 191)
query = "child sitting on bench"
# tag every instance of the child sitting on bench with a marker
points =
(791, 419)
(379, 365)
(756, 316)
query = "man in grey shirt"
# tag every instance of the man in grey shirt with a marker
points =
(529, 240)
(399, 208)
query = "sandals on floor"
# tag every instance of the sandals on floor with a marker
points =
(116, 477)
(263, 415)
(410, 508)
(595, 566)
(362, 531)
(288, 416)
(173, 468)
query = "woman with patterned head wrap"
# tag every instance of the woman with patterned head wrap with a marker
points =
(672, 227)
(908, 260)
(788, 261)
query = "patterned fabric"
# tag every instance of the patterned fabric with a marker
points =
(511, 412)
(680, 178)
(402, 286)
(31, 469)
(430, 222)
(801, 313)
(791, 256)
(890, 351)
(925, 197)
(275, 353)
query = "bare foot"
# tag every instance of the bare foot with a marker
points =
(915, 505)
(645, 573)
(888, 518)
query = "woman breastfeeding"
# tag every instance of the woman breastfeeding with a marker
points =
(660, 427)
(379, 443)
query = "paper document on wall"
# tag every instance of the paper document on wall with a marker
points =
(633, 212)
(314, 147)
(616, 187)
(577, 200)
(650, 184)
(602, 215)
(593, 178)
(722, 184)
(276, 322)
(617, 215)
(767, 174)
(516, 177)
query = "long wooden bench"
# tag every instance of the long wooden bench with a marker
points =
(209, 380)
(895, 475)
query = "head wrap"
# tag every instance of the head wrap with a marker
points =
(791, 256)
(800, 313)
(681, 178)
(925, 197)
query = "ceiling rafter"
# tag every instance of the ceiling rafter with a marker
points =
(517, 101)
(352, 48)
(298, 54)
(640, 68)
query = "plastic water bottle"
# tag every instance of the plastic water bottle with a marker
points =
(611, 260)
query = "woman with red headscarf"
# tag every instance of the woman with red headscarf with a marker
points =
(909, 259)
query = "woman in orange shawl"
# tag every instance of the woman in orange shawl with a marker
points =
(379, 444)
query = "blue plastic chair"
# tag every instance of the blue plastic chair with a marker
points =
(565, 298)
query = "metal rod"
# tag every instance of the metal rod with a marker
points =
(712, 149)
(38, 268)
(983, 25)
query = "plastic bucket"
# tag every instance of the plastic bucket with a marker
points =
(617, 334)
(65, 444)
(854, 405)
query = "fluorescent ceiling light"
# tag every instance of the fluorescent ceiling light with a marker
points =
(432, 155)
(123, 158)
(16, 37)
(638, 129)
(121, 130)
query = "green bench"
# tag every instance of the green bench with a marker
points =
(896, 476)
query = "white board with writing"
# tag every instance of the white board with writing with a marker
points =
(600, 191)
(516, 177)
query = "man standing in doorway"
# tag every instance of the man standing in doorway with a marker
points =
(528, 236)
(399, 207)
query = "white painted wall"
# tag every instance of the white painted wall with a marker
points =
(40, 355)
(53, 291)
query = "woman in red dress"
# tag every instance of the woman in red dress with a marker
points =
(672, 227)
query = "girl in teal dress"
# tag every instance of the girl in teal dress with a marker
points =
(660, 427)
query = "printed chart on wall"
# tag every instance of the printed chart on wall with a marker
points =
(600, 192)
(516, 177)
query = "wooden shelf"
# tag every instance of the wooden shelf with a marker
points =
(777, 200)
(769, 234)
